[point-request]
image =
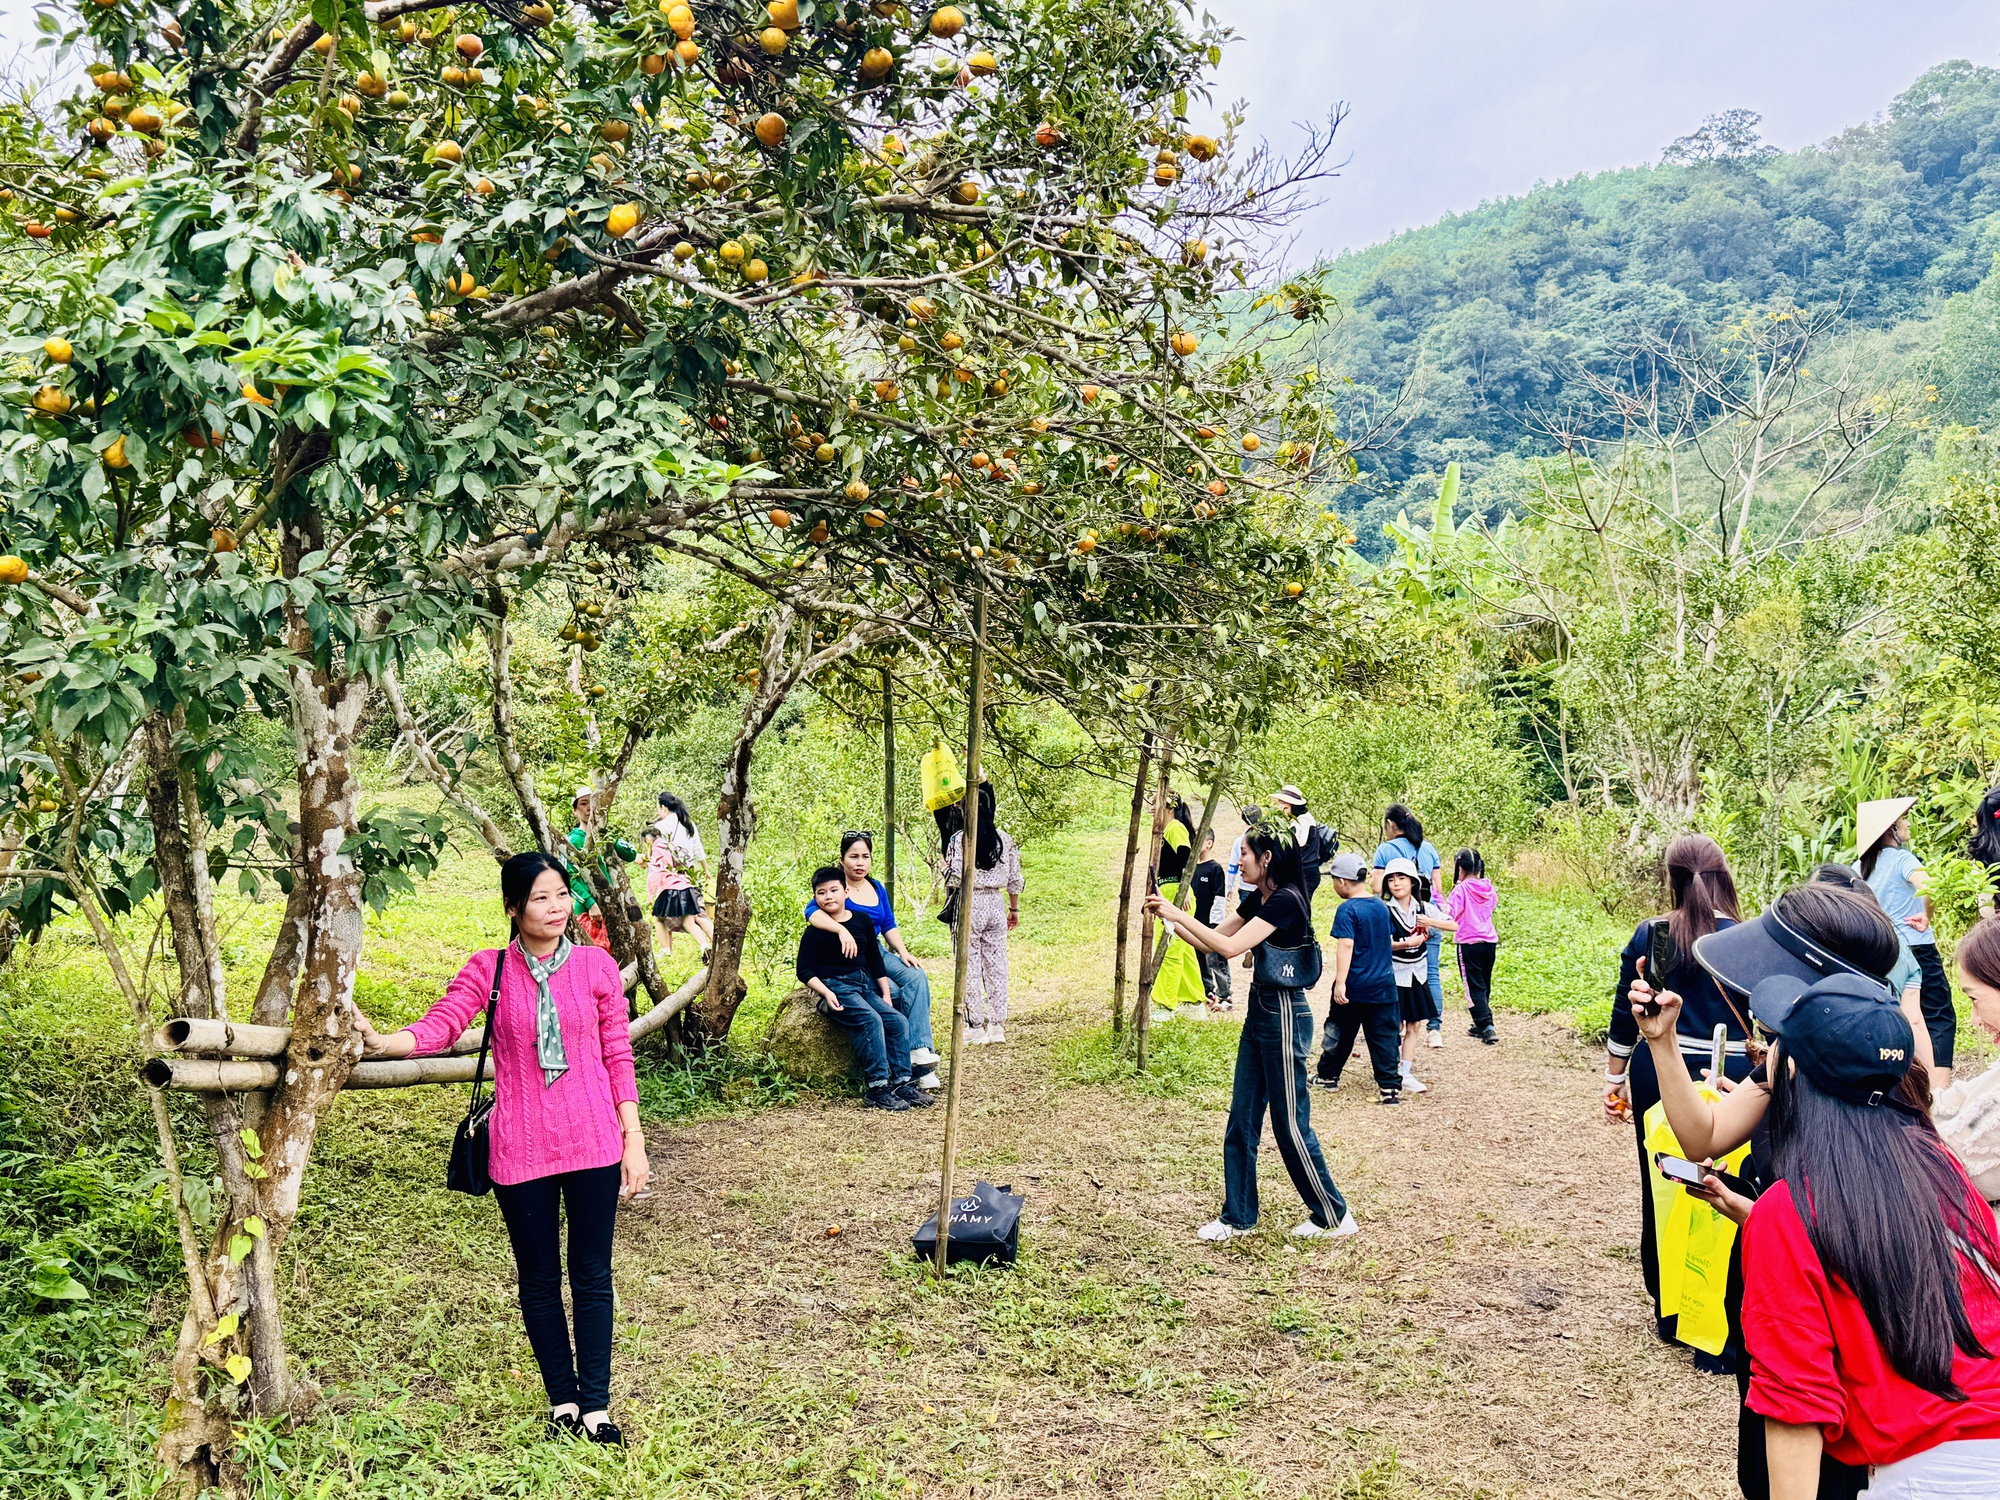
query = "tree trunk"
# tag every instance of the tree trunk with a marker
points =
(1125, 884)
(737, 813)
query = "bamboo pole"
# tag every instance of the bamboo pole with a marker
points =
(1142, 1005)
(253, 1072)
(968, 854)
(1184, 896)
(229, 1038)
(889, 785)
(1125, 884)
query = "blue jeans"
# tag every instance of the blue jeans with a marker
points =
(1437, 983)
(1271, 1073)
(911, 988)
(880, 1041)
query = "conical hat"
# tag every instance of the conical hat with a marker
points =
(1873, 819)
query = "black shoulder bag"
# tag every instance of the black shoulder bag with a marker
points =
(467, 1172)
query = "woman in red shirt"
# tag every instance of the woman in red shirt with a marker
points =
(564, 1131)
(1871, 1266)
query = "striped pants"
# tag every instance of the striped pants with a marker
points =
(1271, 1074)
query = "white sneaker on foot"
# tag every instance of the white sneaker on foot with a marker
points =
(929, 1082)
(923, 1057)
(1216, 1232)
(996, 1033)
(975, 1036)
(1437, 1038)
(1340, 1231)
(1413, 1084)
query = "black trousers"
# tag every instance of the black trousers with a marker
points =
(1934, 999)
(1382, 1024)
(532, 1210)
(1215, 975)
(1475, 969)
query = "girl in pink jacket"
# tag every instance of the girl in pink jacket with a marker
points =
(1471, 904)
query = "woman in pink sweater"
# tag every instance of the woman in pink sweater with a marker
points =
(564, 1129)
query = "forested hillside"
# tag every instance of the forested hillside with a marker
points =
(1486, 319)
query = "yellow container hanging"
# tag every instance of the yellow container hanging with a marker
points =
(1694, 1242)
(943, 782)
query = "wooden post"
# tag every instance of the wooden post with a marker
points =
(968, 853)
(1125, 884)
(889, 786)
(1184, 897)
(1142, 1006)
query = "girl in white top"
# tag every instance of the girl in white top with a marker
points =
(1411, 923)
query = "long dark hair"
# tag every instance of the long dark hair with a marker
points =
(678, 808)
(517, 881)
(1698, 876)
(1885, 1209)
(1405, 823)
(1849, 923)
(1468, 863)
(1874, 851)
(1282, 859)
(988, 853)
(1985, 845)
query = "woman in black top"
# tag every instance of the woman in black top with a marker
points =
(1985, 843)
(1275, 919)
(1704, 895)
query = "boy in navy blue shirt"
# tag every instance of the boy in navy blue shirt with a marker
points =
(1364, 984)
(853, 993)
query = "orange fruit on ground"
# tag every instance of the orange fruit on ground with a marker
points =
(771, 131)
(947, 21)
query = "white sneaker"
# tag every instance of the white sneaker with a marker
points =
(1437, 1039)
(1413, 1084)
(1216, 1232)
(975, 1036)
(996, 1033)
(923, 1057)
(929, 1081)
(1340, 1231)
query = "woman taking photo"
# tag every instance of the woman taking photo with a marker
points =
(996, 911)
(910, 986)
(673, 873)
(1274, 921)
(564, 1129)
(1898, 879)
(1704, 896)
(1831, 926)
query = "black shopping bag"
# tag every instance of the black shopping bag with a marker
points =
(985, 1227)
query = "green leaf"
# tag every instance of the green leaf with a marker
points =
(238, 1366)
(224, 1327)
(252, 1147)
(240, 1245)
(254, 1227)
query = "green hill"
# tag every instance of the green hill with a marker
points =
(1489, 316)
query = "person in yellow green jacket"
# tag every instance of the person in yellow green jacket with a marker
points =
(1180, 979)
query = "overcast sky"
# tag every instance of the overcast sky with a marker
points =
(1457, 101)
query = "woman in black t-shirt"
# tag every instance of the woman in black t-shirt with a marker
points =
(1275, 919)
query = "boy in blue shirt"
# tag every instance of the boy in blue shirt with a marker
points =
(853, 993)
(1364, 984)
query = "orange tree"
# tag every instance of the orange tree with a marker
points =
(334, 327)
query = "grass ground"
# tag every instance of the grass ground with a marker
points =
(1485, 1336)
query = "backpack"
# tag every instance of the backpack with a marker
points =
(1321, 844)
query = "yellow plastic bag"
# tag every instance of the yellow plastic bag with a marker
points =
(943, 782)
(1694, 1243)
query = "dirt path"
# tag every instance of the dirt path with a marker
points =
(1485, 1335)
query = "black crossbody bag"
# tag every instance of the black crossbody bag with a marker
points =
(470, 1148)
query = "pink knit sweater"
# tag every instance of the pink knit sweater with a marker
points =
(572, 1124)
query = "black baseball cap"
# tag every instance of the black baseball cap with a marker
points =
(1744, 954)
(1845, 1032)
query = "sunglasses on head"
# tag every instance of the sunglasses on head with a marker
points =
(867, 834)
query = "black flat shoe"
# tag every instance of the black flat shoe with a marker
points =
(915, 1097)
(605, 1433)
(567, 1425)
